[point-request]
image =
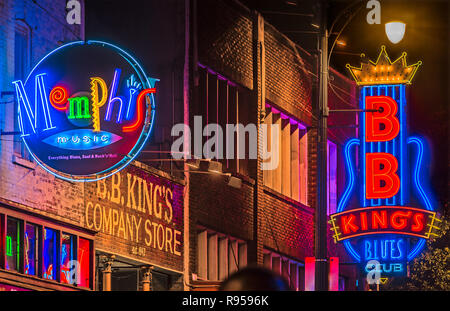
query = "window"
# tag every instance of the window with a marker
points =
(290, 177)
(13, 245)
(67, 258)
(223, 102)
(342, 282)
(219, 255)
(50, 254)
(34, 249)
(84, 262)
(292, 271)
(331, 177)
(22, 55)
(125, 280)
(31, 249)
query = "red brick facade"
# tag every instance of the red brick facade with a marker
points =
(266, 67)
(227, 35)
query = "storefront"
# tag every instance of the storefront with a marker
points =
(138, 216)
(43, 253)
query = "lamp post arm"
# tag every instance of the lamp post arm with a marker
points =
(340, 32)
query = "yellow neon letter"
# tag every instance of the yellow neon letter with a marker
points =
(96, 103)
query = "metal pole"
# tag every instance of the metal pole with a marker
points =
(147, 279)
(107, 270)
(321, 213)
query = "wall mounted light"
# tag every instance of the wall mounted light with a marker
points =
(395, 31)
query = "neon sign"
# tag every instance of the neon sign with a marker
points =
(86, 110)
(385, 213)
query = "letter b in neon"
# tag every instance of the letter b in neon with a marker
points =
(381, 125)
(381, 179)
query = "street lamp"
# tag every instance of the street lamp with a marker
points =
(395, 31)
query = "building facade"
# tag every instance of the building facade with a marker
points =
(162, 224)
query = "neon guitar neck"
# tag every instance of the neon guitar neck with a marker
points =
(384, 214)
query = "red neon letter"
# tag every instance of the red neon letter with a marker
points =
(381, 126)
(58, 98)
(418, 222)
(363, 221)
(381, 167)
(402, 222)
(139, 111)
(379, 220)
(347, 224)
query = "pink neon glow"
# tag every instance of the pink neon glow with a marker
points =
(219, 76)
(310, 273)
(333, 276)
(285, 116)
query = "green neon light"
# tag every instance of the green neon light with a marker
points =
(82, 108)
(9, 246)
(18, 246)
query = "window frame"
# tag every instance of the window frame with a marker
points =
(41, 223)
(272, 179)
(21, 27)
(284, 266)
(332, 209)
(234, 261)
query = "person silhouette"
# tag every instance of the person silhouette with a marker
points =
(254, 279)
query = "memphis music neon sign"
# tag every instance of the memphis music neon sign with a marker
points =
(385, 213)
(86, 110)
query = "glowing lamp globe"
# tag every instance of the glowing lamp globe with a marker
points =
(395, 31)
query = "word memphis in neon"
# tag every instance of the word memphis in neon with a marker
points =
(395, 213)
(130, 108)
(85, 100)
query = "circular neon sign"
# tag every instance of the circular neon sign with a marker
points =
(86, 110)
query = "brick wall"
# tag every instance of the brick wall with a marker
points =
(288, 77)
(279, 223)
(30, 185)
(24, 184)
(149, 208)
(269, 219)
(215, 205)
(225, 39)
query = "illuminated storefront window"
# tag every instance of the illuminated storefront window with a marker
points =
(50, 254)
(13, 237)
(31, 248)
(67, 258)
(84, 260)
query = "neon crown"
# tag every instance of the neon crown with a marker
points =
(383, 71)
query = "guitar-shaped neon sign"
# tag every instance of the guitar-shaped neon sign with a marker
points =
(385, 212)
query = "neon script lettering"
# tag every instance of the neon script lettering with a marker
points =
(130, 109)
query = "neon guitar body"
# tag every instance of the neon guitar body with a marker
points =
(385, 213)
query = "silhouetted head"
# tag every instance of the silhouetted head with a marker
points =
(254, 279)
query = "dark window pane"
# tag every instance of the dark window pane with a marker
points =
(160, 281)
(13, 244)
(124, 280)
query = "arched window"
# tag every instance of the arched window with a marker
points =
(22, 63)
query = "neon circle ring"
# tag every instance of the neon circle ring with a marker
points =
(86, 110)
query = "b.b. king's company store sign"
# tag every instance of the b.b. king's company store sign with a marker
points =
(85, 110)
(386, 213)
(138, 214)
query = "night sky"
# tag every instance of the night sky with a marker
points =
(426, 39)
